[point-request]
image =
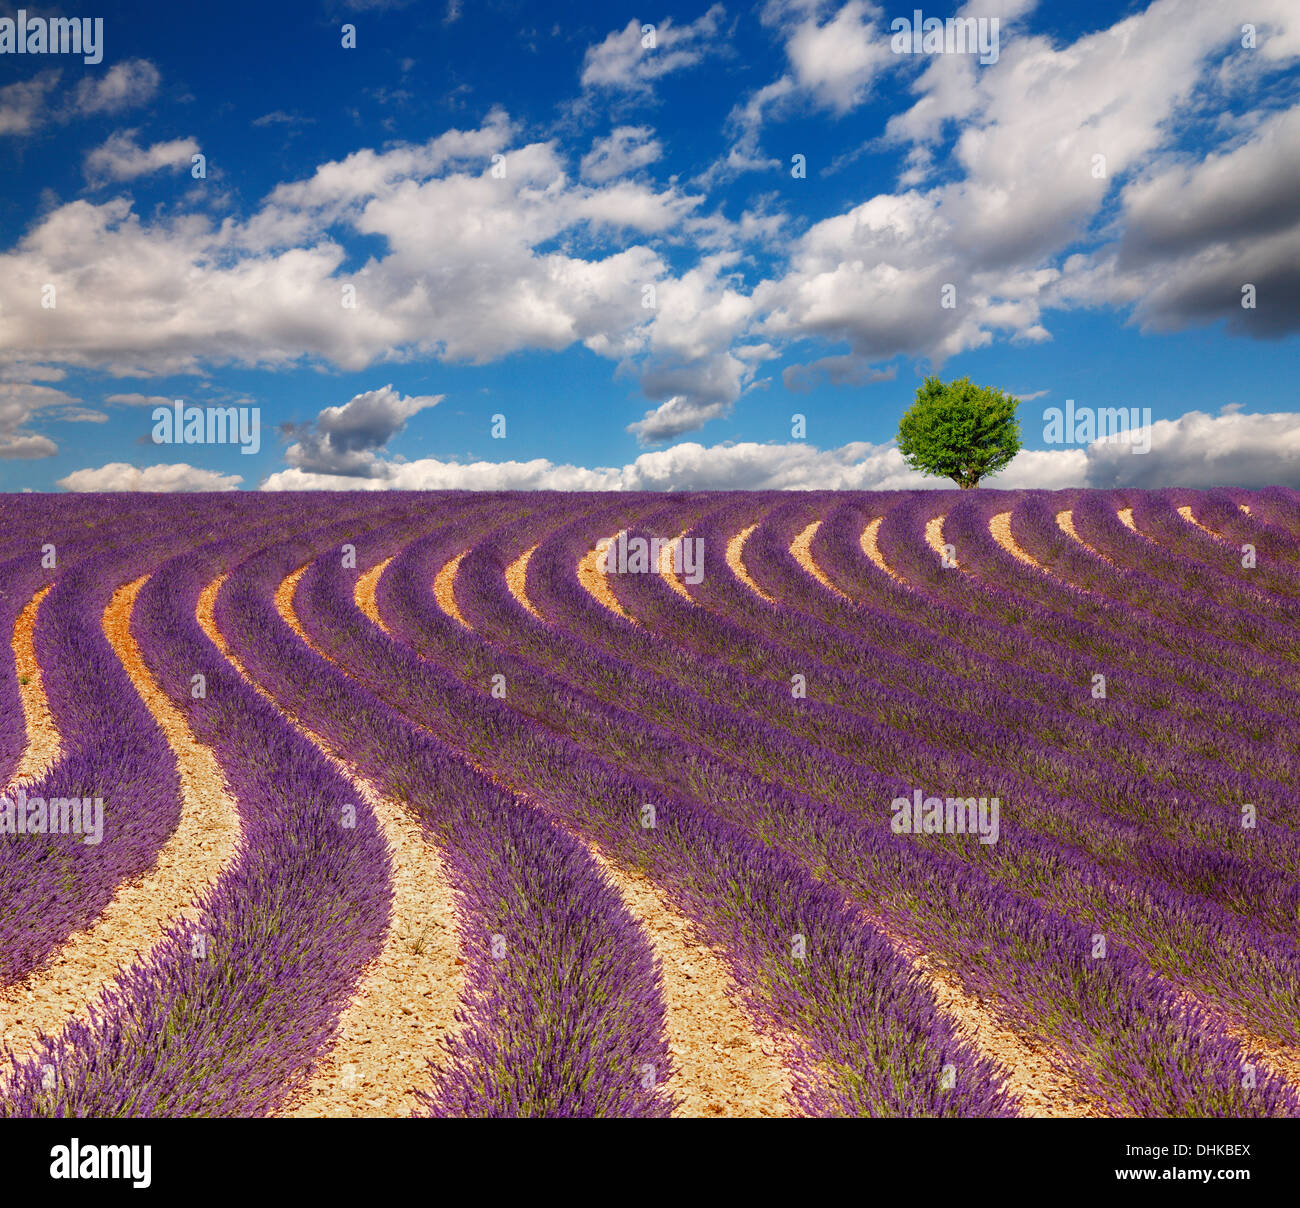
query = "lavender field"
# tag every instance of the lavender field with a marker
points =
(929, 803)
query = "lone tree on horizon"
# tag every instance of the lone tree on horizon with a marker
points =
(959, 431)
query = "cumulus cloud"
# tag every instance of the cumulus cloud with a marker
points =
(622, 151)
(24, 104)
(347, 439)
(140, 400)
(460, 279)
(122, 158)
(125, 85)
(19, 404)
(836, 62)
(1200, 450)
(1195, 233)
(622, 63)
(677, 415)
(29, 104)
(118, 476)
(838, 370)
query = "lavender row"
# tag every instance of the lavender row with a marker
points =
(104, 810)
(228, 1014)
(563, 1013)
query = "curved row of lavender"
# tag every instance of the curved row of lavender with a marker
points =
(114, 764)
(872, 1040)
(563, 1011)
(228, 1014)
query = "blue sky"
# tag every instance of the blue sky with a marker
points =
(519, 290)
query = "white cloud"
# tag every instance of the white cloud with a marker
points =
(140, 400)
(29, 104)
(125, 85)
(838, 61)
(118, 476)
(121, 158)
(1200, 450)
(678, 415)
(348, 439)
(625, 149)
(460, 279)
(1195, 233)
(1194, 450)
(19, 404)
(24, 104)
(622, 63)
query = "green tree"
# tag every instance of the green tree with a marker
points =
(959, 431)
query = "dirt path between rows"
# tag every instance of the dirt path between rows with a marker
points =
(736, 561)
(42, 749)
(1000, 528)
(667, 563)
(801, 549)
(517, 581)
(934, 534)
(1042, 1091)
(1065, 522)
(870, 546)
(593, 580)
(444, 587)
(205, 842)
(407, 999)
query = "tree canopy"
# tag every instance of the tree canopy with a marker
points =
(959, 430)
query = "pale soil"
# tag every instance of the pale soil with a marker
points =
(368, 583)
(1280, 1060)
(594, 582)
(517, 581)
(871, 548)
(1126, 519)
(444, 588)
(934, 534)
(801, 549)
(205, 841)
(407, 999)
(1000, 527)
(722, 1067)
(736, 561)
(1043, 1089)
(42, 750)
(1186, 514)
(666, 558)
(1065, 522)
